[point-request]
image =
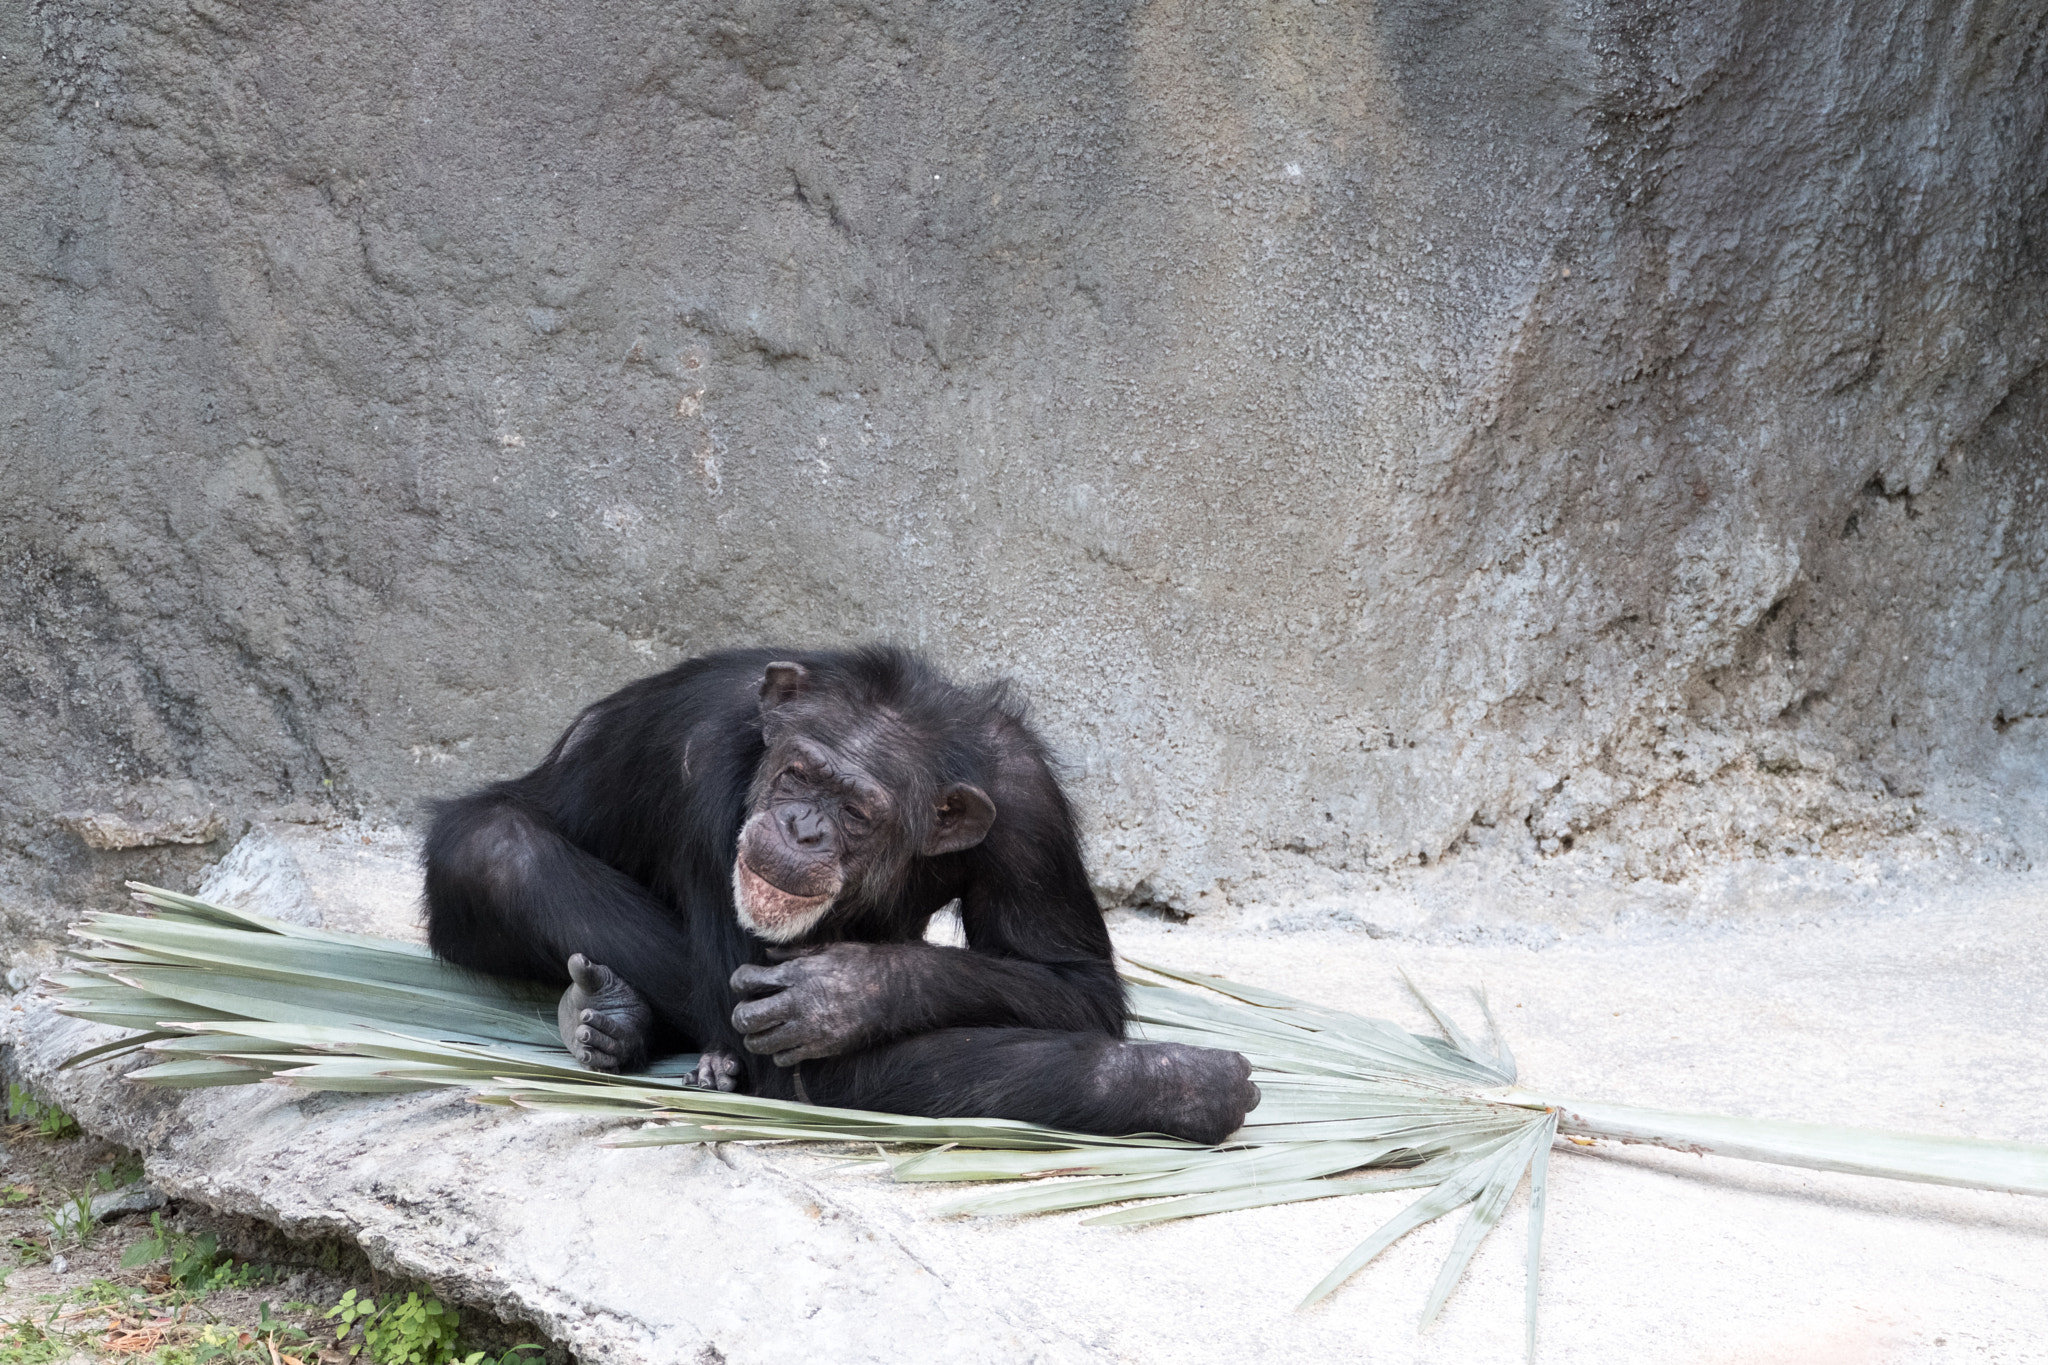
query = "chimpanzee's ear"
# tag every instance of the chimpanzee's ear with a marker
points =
(781, 682)
(961, 821)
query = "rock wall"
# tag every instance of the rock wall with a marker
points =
(1370, 431)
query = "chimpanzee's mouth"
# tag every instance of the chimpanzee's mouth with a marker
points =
(769, 912)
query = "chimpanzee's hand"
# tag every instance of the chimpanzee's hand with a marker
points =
(717, 1069)
(604, 1021)
(814, 1002)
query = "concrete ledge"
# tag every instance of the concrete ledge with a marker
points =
(1929, 1017)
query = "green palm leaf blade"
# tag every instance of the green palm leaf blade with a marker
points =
(1348, 1041)
(198, 1073)
(1398, 1047)
(1455, 1192)
(116, 1048)
(304, 1001)
(177, 906)
(254, 959)
(1497, 1040)
(1376, 1179)
(1220, 1171)
(367, 960)
(1251, 995)
(966, 1163)
(1486, 1211)
(1462, 1041)
(1407, 1132)
(366, 1076)
(826, 1124)
(1539, 1178)
(127, 937)
(670, 1135)
(206, 1044)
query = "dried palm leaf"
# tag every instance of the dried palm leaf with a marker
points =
(1351, 1105)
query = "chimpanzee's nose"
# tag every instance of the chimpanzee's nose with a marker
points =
(806, 827)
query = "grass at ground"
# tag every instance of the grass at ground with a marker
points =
(180, 1285)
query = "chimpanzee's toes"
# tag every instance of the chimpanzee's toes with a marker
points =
(595, 1048)
(1198, 1093)
(717, 1069)
(603, 1021)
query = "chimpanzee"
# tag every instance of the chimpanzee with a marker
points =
(776, 829)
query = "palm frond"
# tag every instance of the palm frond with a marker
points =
(1350, 1105)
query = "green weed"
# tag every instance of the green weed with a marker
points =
(24, 1343)
(419, 1331)
(197, 1264)
(49, 1120)
(72, 1220)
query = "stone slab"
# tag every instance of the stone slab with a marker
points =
(1926, 1013)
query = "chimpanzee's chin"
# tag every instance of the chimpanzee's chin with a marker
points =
(767, 911)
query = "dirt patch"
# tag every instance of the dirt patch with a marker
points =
(179, 1284)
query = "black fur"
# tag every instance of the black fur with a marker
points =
(621, 846)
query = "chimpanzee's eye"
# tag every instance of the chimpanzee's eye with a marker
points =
(856, 813)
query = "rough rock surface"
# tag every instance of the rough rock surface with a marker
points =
(1368, 430)
(1923, 1014)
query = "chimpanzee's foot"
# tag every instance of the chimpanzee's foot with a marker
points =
(716, 1070)
(604, 1021)
(1198, 1093)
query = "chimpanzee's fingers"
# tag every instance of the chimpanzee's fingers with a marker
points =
(790, 954)
(781, 1038)
(753, 980)
(716, 1070)
(751, 1016)
(598, 1051)
(597, 1039)
(586, 974)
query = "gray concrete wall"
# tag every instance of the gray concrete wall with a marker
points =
(1372, 432)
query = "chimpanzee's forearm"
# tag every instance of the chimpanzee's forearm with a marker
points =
(932, 987)
(836, 999)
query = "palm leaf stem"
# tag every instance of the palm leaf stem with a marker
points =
(1975, 1163)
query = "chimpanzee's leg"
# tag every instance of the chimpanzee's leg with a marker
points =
(1085, 1082)
(507, 894)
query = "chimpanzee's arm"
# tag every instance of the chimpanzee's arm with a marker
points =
(1080, 1081)
(509, 895)
(1038, 957)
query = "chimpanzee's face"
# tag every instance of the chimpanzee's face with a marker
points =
(816, 826)
(840, 808)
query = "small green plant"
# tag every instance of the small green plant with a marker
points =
(28, 1251)
(215, 1343)
(196, 1264)
(418, 1331)
(415, 1332)
(276, 1331)
(22, 1342)
(14, 1195)
(72, 1220)
(49, 1120)
(511, 1356)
